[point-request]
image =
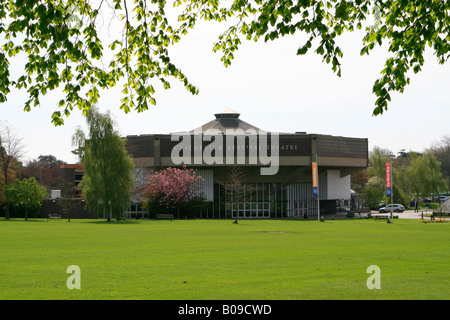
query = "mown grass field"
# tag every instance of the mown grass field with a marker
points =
(216, 259)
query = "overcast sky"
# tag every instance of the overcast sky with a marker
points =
(272, 88)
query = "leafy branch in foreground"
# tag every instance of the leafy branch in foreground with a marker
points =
(67, 53)
(64, 48)
(408, 27)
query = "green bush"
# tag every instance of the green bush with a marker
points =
(430, 206)
(195, 206)
(155, 207)
(190, 209)
(19, 212)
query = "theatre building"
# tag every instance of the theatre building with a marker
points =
(276, 167)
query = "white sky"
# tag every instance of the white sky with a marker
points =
(272, 88)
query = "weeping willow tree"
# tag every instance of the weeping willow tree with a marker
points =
(424, 175)
(108, 169)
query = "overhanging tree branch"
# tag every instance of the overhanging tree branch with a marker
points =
(40, 30)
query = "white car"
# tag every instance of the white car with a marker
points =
(395, 207)
(443, 198)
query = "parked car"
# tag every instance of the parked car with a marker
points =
(443, 198)
(381, 205)
(396, 208)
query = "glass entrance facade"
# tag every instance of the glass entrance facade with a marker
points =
(262, 201)
(255, 201)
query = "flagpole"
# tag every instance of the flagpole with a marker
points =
(315, 183)
(392, 192)
(318, 200)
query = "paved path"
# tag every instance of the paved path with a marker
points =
(409, 214)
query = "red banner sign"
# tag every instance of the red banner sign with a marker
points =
(388, 174)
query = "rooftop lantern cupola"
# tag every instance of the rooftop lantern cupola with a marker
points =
(227, 113)
(226, 119)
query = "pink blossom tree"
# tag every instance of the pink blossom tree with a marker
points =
(173, 187)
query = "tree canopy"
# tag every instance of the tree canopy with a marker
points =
(414, 176)
(424, 175)
(442, 153)
(173, 187)
(25, 193)
(66, 50)
(11, 149)
(46, 170)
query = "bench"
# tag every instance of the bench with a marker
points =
(164, 216)
(54, 217)
(381, 217)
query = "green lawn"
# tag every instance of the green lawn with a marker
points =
(216, 259)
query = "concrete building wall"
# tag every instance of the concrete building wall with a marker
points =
(338, 188)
